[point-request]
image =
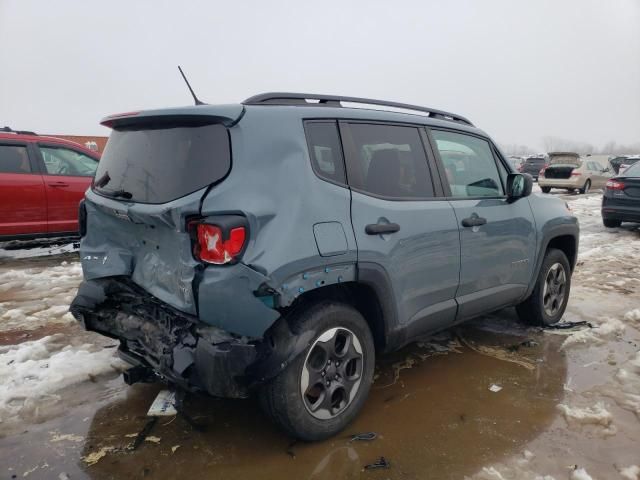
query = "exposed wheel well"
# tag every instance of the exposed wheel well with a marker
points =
(358, 295)
(566, 243)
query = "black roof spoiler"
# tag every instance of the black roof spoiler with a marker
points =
(301, 99)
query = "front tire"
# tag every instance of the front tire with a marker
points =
(586, 188)
(548, 301)
(545, 189)
(325, 387)
(611, 222)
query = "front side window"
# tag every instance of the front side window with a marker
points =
(388, 161)
(63, 161)
(469, 165)
(14, 159)
(325, 150)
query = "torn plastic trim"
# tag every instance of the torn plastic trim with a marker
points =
(295, 285)
(155, 336)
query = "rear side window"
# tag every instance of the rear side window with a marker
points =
(157, 165)
(325, 150)
(14, 159)
(469, 164)
(388, 161)
(63, 161)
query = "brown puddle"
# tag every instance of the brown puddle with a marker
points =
(434, 415)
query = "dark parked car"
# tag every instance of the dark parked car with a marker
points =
(621, 199)
(532, 166)
(274, 247)
(42, 180)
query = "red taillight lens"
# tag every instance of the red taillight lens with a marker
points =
(541, 172)
(211, 247)
(575, 174)
(614, 185)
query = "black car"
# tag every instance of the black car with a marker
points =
(621, 199)
(532, 166)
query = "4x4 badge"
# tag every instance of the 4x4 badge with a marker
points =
(122, 215)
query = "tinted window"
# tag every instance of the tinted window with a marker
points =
(157, 165)
(388, 161)
(63, 161)
(633, 170)
(325, 150)
(14, 159)
(469, 164)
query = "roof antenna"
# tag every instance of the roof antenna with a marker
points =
(196, 99)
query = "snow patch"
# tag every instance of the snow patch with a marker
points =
(631, 472)
(33, 371)
(608, 329)
(580, 474)
(633, 315)
(597, 416)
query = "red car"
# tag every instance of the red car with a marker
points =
(42, 180)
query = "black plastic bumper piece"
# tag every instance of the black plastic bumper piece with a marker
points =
(157, 339)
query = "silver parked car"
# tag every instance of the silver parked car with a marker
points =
(569, 171)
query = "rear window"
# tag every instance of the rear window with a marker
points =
(157, 165)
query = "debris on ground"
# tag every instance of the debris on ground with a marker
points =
(567, 325)
(69, 437)
(495, 388)
(174, 448)
(380, 463)
(498, 353)
(152, 439)
(146, 430)
(95, 457)
(364, 437)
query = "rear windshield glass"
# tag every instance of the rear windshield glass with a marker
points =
(157, 165)
(535, 160)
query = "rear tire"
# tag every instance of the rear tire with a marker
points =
(545, 189)
(548, 301)
(586, 188)
(611, 222)
(325, 387)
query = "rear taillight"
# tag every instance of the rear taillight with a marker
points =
(541, 172)
(214, 245)
(614, 185)
(520, 168)
(575, 174)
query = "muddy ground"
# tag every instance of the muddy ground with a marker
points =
(566, 402)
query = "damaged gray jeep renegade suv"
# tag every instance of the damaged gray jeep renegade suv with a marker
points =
(274, 246)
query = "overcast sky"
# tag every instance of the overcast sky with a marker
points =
(521, 70)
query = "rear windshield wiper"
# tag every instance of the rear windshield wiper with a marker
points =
(117, 193)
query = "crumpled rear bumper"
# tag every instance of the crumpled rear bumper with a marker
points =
(175, 345)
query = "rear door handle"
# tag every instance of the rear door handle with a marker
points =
(474, 221)
(380, 228)
(58, 184)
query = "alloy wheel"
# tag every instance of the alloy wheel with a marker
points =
(554, 290)
(332, 373)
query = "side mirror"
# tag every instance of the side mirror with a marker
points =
(519, 185)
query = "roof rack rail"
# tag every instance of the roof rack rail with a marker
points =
(17, 132)
(285, 98)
